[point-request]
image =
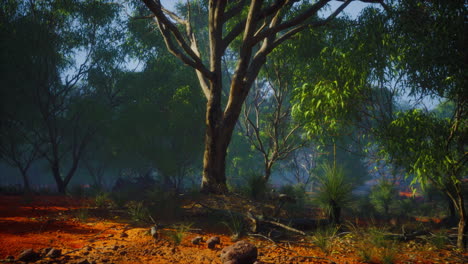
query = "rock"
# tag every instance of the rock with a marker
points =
(28, 255)
(54, 253)
(10, 258)
(83, 261)
(124, 235)
(154, 231)
(212, 242)
(197, 240)
(239, 253)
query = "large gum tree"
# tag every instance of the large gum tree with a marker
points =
(255, 28)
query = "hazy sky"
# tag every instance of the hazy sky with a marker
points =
(352, 9)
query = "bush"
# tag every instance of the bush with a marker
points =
(167, 203)
(139, 213)
(256, 186)
(382, 195)
(298, 193)
(235, 224)
(178, 234)
(323, 238)
(101, 200)
(334, 192)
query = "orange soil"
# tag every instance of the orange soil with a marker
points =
(49, 221)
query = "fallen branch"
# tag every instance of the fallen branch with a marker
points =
(294, 230)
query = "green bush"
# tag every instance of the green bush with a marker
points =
(256, 186)
(382, 196)
(236, 226)
(101, 200)
(323, 238)
(298, 192)
(178, 234)
(334, 192)
(138, 212)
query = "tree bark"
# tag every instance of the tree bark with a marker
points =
(462, 234)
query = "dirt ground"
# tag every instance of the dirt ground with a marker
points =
(44, 222)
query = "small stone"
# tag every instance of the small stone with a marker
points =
(239, 253)
(197, 240)
(9, 258)
(110, 235)
(212, 242)
(124, 235)
(83, 261)
(123, 253)
(54, 253)
(115, 247)
(28, 255)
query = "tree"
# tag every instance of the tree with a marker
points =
(48, 80)
(383, 59)
(428, 148)
(267, 121)
(259, 27)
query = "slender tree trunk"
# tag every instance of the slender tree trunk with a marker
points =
(26, 185)
(57, 177)
(462, 234)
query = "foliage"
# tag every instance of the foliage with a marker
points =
(382, 195)
(255, 187)
(323, 238)
(179, 232)
(298, 192)
(138, 212)
(101, 200)
(82, 213)
(236, 226)
(334, 191)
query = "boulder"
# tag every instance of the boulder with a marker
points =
(239, 253)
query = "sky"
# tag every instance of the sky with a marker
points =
(352, 9)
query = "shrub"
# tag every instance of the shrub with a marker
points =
(138, 212)
(382, 195)
(256, 186)
(334, 192)
(101, 200)
(82, 214)
(439, 240)
(298, 193)
(323, 238)
(178, 234)
(235, 224)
